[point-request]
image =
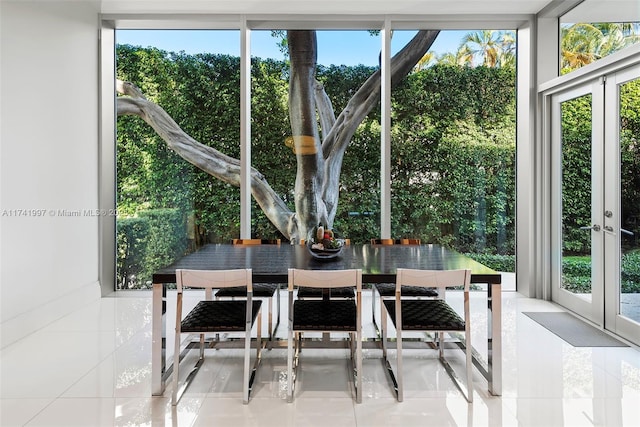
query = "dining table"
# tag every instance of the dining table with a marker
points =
(379, 263)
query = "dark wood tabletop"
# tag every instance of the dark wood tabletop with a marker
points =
(379, 263)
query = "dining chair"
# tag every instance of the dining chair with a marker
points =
(255, 241)
(213, 316)
(428, 315)
(348, 292)
(406, 241)
(403, 241)
(387, 290)
(325, 315)
(382, 241)
(260, 290)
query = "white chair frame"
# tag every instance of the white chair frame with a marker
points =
(209, 280)
(325, 279)
(440, 279)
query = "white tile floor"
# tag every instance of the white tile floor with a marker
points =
(92, 368)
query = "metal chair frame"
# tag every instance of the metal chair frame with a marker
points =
(272, 329)
(375, 287)
(209, 280)
(324, 279)
(440, 279)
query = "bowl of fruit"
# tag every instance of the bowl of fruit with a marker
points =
(323, 244)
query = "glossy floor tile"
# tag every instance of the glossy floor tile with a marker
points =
(92, 368)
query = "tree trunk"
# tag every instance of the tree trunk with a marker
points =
(304, 128)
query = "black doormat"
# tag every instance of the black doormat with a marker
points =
(576, 332)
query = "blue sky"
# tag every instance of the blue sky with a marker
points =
(334, 47)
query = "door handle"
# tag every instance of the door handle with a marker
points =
(622, 230)
(594, 227)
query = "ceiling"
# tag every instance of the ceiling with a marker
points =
(444, 14)
(365, 7)
(604, 11)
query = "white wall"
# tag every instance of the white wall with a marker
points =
(48, 161)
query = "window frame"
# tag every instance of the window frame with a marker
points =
(522, 24)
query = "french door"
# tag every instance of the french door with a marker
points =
(596, 204)
(621, 227)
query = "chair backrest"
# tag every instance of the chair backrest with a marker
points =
(214, 279)
(325, 278)
(409, 241)
(403, 241)
(382, 241)
(432, 278)
(249, 242)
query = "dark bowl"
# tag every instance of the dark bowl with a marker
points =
(325, 254)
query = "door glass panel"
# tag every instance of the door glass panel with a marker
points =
(630, 200)
(576, 195)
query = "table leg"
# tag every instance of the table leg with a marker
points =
(494, 331)
(158, 339)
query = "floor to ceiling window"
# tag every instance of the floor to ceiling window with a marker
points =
(345, 60)
(453, 146)
(166, 205)
(452, 173)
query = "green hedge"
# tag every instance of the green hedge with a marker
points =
(631, 272)
(576, 273)
(147, 242)
(504, 263)
(131, 247)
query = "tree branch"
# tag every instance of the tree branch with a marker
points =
(325, 108)
(204, 157)
(339, 137)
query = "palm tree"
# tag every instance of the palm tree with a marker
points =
(579, 45)
(484, 45)
(491, 48)
(428, 59)
(584, 43)
(507, 56)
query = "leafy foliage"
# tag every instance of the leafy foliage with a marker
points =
(583, 43)
(453, 145)
(576, 174)
(495, 261)
(453, 142)
(630, 276)
(131, 247)
(153, 239)
(453, 155)
(576, 273)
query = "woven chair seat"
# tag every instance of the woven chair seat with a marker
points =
(260, 290)
(420, 315)
(335, 292)
(389, 290)
(219, 316)
(319, 315)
